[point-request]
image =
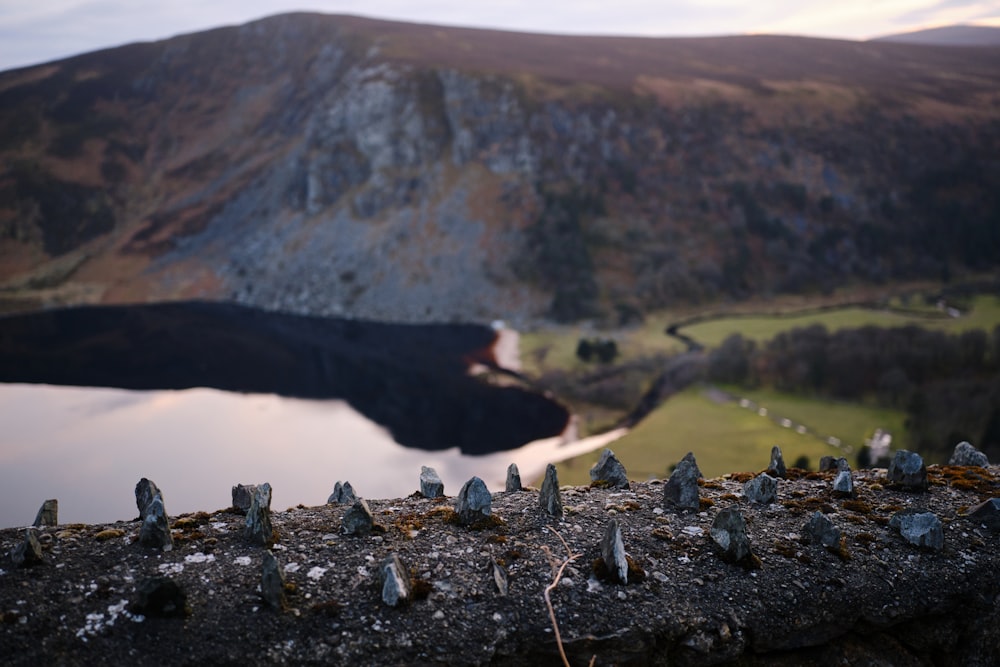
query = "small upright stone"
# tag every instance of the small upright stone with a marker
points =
(681, 490)
(609, 472)
(474, 502)
(613, 552)
(987, 513)
(729, 531)
(145, 491)
(549, 498)
(155, 529)
(513, 479)
(967, 455)
(822, 530)
(258, 521)
(27, 552)
(908, 470)
(394, 580)
(343, 494)
(48, 514)
(500, 577)
(776, 467)
(843, 483)
(827, 463)
(243, 497)
(761, 490)
(919, 528)
(272, 582)
(358, 520)
(431, 485)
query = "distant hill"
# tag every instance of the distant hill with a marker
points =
(952, 35)
(345, 166)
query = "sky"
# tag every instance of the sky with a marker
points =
(34, 31)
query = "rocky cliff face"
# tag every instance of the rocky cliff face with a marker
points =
(333, 165)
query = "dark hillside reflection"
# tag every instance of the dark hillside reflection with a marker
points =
(411, 379)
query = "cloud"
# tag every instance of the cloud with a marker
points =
(950, 11)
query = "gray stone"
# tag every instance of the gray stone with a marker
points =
(820, 529)
(729, 531)
(843, 484)
(258, 522)
(474, 502)
(431, 485)
(394, 581)
(358, 520)
(342, 494)
(272, 582)
(919, 528)
(549, 498)
(145, 491)
(162, 597)
(907, 469)
(155, 529)
(762, 489)
(613, 552)
(243, 496)
(987, 513)
(827, 463)
(681, 490)
(513, 479)
(967, 455)
(501, 578)
(777, 465)
(28, 552)
(48, 514)
(609, 472)
(842, 465)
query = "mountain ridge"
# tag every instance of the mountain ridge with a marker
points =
(346, 166)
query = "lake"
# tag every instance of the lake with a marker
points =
(199, 397)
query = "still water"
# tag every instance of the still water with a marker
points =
(87, 447)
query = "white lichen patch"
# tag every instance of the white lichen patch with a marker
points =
(316, 573)
(199, 557)
(171, 568)
(242, 560)
(292, 567)
(96, 622)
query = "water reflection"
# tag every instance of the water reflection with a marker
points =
(89, 446)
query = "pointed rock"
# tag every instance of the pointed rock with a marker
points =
(681, 490)
(145, 491)
(613, 552)
(907, 469)
(394, 580)
(358, 520)
(501, 578)
(609, 472)
(821, 529)
(761, 490)
(28, 552)
(155, 529)
(474, 502)
(431, 485)
(987, 513)
(243, 496)
(549, 498)
(160, 596)
(967, 455)
(920, 528)
(729, 531)
(272, 582)
(343, 494)
(776, 467)
(513, 479)
(48, 514)
(258, 521)
(843, 483)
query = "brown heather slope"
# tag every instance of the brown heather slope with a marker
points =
(340, 165)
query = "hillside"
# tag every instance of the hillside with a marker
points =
(338, 165)
(952, 35)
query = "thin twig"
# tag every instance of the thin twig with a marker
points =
(570, 557)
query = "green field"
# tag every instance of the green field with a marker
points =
(726, 437)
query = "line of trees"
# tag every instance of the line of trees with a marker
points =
(948, 384)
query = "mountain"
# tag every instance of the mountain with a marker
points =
(338, 165)
(952, 35)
